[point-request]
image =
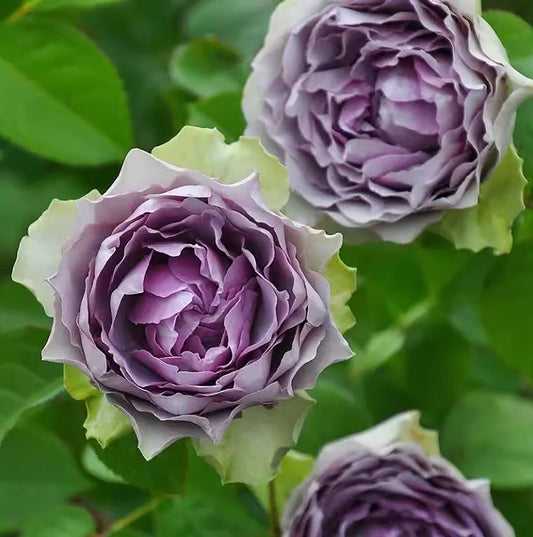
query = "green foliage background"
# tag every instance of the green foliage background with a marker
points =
(445, 331)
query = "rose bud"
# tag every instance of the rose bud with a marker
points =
(181, 295)
(390, 481)
(388, 114)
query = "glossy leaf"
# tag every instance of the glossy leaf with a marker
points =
(491, 436)
(239, 23)
(78, 115)
(25, 381)
(37, 473)
(164, 473)
(64, 521)
(506, 310)
(221, 111)
(206, 66)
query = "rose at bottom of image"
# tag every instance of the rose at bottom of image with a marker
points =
(390, 481)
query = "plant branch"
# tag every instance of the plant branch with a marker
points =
(274, 515)
(23, 10)
(132, 517)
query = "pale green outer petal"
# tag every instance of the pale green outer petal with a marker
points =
(403, 428)
(468, 7)
(39, 253)
(489, 223)
(77, 383)
(342, 281)
(254, 445)
(104, 422)
(205, 150)
(316, 246)
(293, 470)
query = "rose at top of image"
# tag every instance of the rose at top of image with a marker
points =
(387, 113)
(390, 481)
(185, 299)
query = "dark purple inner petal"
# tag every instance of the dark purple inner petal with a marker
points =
(186, 295)
(401, 493)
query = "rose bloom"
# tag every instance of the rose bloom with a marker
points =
(390, 482)
(183, 299)
(386, 112)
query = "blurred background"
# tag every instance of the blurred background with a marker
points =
(445, 331)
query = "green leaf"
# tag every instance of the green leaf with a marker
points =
(205, 150)
(523, 136)
(337, 413)
(7, 7)
(380, 267)
(19, 309)
(491, 436)
(207, 67)
(222, 112)
(64, 521)
(438, 357)
(342, 281)
(440, 266)
(56, 80)
(77, 384)
(25, 381)
(488, 372)
(164, 474)
(22, 201)
(48, 5)
(37, 473)
(460, 298)
(517, 37)
(239, 23)
(517, 507)
(193, 518)
(294, 469)
(489, 223)
(506, 310)
(254, 444)
(104, 422)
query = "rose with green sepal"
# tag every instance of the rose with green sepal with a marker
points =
(190, 302)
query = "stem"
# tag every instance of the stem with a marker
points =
(274, 515)
(23, 10)
(132, 517)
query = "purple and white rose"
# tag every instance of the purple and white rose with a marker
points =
(183, 299)
(390, 482)
(387, 113)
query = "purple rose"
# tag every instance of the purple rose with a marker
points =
(382, 483)
(385, 112)
(186, 300)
